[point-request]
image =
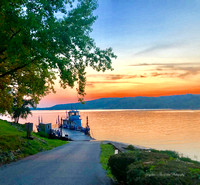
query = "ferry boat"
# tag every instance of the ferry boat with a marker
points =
(73, 122)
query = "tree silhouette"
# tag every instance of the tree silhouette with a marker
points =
(23, 110)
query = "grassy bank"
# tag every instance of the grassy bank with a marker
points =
(152, 167)
(106, 151)
(14, 144)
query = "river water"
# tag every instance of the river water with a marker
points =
(177, 130)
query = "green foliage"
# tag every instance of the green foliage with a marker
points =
(106, 151)
(36, 47)
(195, 171)
(170, 153)
(168, 173)
(153, 167)
(186, 159)
(42, 134)
(130, 147)
(14, 144)
(21, 110)
(119, 164)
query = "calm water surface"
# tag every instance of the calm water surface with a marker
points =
(159, 129)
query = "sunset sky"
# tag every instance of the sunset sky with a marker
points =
(158, 47)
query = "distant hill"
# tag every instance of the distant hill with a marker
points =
(187, 101)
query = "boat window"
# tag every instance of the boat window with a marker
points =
(73, 113)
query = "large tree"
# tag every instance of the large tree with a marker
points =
(36, 47)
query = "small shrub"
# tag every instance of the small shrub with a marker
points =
(119, 164)
(43, 134)
(186, 159)
(136, 173)
(130, 147)
(195, 172)
(170, 153)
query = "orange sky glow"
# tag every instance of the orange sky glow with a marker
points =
(131, 81)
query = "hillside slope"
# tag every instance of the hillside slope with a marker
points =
(188, 101)
(14, 144)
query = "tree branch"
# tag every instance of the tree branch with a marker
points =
(13, 35)
(1, 51)
(2, 60)
(16, 69)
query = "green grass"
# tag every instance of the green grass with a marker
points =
(14, 144)
(106, 151)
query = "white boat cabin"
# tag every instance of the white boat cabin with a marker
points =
(73, 120)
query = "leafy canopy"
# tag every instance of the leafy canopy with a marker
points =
(36, 47)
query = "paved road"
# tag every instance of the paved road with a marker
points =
(76, 163)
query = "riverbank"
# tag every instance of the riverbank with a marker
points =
(14, 145)
(140, 165)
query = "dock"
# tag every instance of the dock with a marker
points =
(76, 135)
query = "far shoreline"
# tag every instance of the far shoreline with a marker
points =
(41, 109)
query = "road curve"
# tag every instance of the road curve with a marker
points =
(76, 163)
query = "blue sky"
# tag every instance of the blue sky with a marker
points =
(134, 25)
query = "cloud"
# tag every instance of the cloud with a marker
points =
(156, 74)
(180, 70)
(90, 84)
(93, 83)
(189, 71)
(163, 70)
(116, 76)
(159, 47)
(159, 69)
(166, 64)
(183, 70)
(119, 77)
(112, 82)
